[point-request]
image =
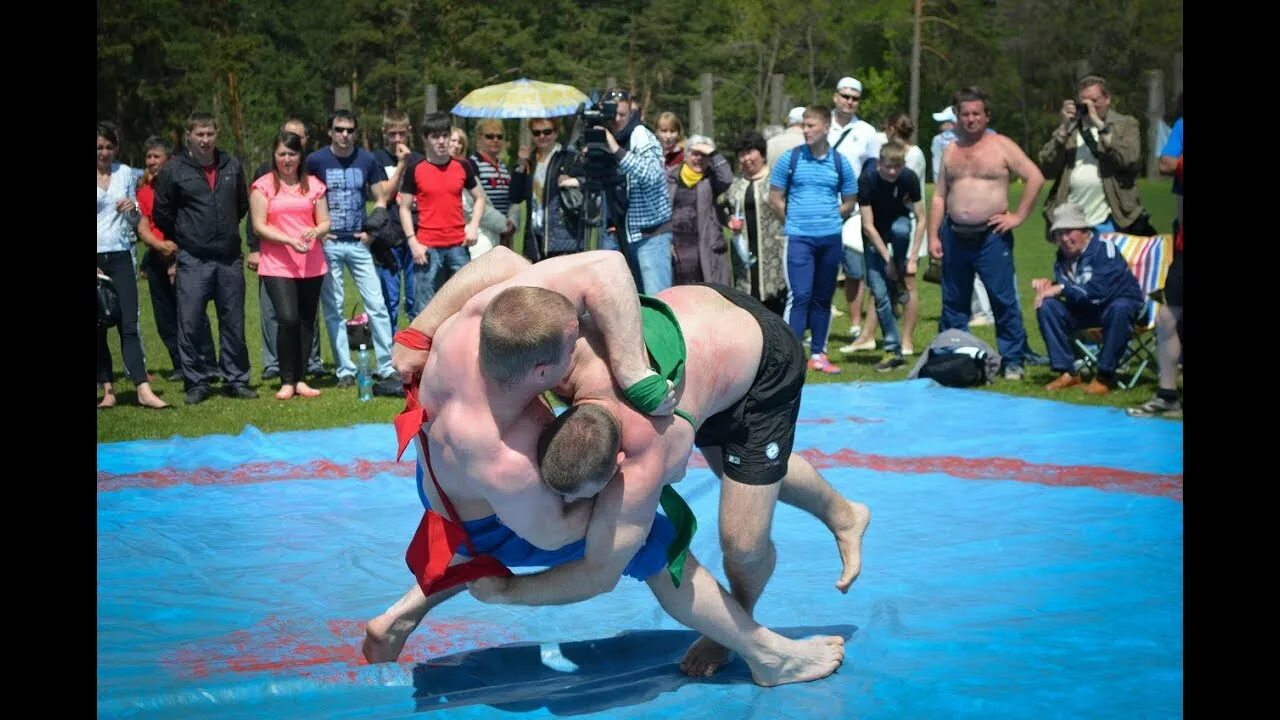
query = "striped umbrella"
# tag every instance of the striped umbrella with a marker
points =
(523, 98)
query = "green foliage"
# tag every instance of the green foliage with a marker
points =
(254, 63)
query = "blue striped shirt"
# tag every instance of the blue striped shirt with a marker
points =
(813, 206)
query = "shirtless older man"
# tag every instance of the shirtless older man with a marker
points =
(739, 402)
(481, 377)
(971, 228)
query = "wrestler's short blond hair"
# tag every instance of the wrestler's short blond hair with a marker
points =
(579, 448)
(524, 327)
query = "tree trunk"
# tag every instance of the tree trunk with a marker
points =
(237, 117)
(915, 72)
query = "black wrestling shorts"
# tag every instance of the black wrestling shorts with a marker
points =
(757, 432)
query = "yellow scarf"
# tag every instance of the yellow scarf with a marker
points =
(689, 176)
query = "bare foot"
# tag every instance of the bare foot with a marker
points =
(800, 661)
(849, 540)
(306, 390)
(703, 658)
(285, 392)
(384, 638)
(108, 401)
(148, 398)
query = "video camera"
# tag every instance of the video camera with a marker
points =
(594, 116)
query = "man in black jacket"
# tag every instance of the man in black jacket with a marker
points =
(201, 196)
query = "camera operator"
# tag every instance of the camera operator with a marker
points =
(645, 219)
(1094, 158)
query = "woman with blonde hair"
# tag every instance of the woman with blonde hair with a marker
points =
(670, 132)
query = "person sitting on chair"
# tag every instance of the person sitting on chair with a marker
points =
(1093, 287)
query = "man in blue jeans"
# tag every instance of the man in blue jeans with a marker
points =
(815, 195)
(971, 228)
(887, 194)
(351, 173)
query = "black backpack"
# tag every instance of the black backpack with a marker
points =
(955, 369)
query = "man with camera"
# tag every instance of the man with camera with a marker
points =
(1094, 156)
(644, 223)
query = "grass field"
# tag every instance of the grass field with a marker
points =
(127, 421)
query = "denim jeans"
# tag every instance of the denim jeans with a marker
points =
(391, 287)
(354, 256)
(441, 265)
(649, 260)
(899, 239)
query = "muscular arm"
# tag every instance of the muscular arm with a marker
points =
(493, 267)
(620, 522)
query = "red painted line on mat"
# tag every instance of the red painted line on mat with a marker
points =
(994, 468)
(275, 645)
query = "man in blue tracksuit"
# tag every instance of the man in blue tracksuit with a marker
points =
(1092, 286)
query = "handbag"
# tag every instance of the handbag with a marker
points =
(933, 273)
(109, 313)
(359, 331)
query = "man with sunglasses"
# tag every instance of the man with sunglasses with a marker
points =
(853, 138)
(492, 174)
(352, 174)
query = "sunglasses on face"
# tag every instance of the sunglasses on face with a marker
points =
(488, 136)
(541, 133)
(344, 130)
(854, 98)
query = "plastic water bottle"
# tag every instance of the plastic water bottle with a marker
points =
(364, 373)
(740, 241)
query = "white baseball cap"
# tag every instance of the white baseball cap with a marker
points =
(849, 83)
(796, 116)
(946, 114)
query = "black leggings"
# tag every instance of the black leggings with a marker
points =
(119, 267)
(296, 302)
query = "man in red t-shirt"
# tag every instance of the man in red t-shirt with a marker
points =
(439, 247)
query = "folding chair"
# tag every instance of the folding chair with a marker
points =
(1148, 259)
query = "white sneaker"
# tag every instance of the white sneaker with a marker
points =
(835, 312)
(908, 351)
(868, 344)
(855, 331)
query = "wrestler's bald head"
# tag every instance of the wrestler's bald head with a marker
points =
(522, 328)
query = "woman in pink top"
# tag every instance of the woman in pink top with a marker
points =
(291, 217)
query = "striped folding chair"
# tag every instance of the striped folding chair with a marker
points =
(1149, 259)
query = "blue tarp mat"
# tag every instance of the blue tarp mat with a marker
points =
(1024, 561)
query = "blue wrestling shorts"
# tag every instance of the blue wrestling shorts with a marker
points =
(491, 537)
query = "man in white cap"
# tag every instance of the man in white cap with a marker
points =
(855, 139)
(793, 136)
(946, 119)
(1091, 287)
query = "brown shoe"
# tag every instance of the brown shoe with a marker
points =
(1097, 387)
(1062, 382)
